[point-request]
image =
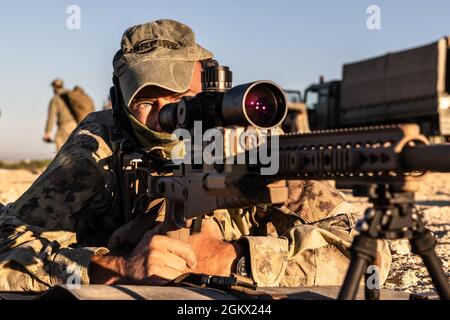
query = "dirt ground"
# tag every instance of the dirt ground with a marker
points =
(408, 272)
(13, 183)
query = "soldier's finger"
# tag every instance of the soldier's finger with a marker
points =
(168, 259)
(168, 273)
(175, 262)
(183, 250)
(160, 276)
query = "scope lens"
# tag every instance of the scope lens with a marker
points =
(261, 106)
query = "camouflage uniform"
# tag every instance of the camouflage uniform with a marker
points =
(59, 112)
(72, 212)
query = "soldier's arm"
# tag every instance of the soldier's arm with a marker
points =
(51, 116)
(47, 237)
(314, 232)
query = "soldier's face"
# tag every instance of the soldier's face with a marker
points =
(147, 104)
(56, 90)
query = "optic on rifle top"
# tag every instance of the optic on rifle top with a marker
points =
(260, 104)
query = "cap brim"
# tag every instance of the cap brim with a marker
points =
(168, 74)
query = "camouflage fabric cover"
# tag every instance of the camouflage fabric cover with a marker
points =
(67, 216)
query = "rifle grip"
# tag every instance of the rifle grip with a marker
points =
(180, 234)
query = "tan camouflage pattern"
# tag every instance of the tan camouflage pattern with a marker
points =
(67, 216)
(60, 114)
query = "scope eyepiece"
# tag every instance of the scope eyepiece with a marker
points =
(168, 118)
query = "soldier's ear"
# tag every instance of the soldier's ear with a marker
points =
(115, 94)
(121, 121)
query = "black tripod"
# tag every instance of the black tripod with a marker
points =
(393, 216)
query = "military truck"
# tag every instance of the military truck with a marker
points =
(407, 86)
(297, 115)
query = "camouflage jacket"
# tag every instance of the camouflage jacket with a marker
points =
(67, 216)
(58, 112)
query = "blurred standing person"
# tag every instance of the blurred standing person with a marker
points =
(107, 103)
(59, 112)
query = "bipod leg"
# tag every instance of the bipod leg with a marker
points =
(424, 244)
(363, 254)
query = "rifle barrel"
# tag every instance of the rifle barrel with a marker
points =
(427, 158)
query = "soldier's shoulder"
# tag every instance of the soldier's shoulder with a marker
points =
(56, 99)
(104, 118)
(92, 136)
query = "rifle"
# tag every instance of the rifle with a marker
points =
(384, 163)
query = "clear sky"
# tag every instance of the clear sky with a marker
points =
(290, 42)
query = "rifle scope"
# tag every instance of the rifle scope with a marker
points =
(260, 104)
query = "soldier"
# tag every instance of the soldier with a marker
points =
(107, 103)
(59, 112)
(71, 219)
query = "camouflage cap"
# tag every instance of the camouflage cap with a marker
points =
(161, 53)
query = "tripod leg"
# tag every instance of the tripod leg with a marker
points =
(424, 244)
(363, 253)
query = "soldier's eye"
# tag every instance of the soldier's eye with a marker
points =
(143, 105)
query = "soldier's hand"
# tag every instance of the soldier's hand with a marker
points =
(155, 261)
(165, 258)
(158, 259)
(215, 256)
(47, 138)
